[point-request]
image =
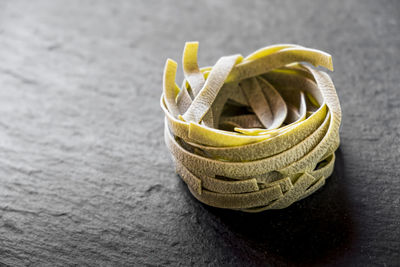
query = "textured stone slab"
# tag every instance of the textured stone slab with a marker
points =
(85, 177)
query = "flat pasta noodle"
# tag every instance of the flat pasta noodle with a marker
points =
(252, 133)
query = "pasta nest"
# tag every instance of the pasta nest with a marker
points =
(253, 133)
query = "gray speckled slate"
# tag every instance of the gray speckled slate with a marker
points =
(85, 177)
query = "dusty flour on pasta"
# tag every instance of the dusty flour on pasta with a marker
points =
(252, 133)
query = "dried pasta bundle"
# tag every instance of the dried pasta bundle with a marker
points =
(252, 133)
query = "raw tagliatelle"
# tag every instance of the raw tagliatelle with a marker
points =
(252, 133)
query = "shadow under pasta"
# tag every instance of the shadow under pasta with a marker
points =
(314, 230)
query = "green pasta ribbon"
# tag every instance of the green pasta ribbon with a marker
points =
(253, 133)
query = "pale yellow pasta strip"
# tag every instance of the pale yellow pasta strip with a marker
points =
(211, 137)
(265, 51)
(216, 185)
(170, 90)
(258, 102)
(204, 99)
(239, 201)
(258, 66)
(191, 68)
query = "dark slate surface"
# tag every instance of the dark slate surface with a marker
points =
(85, 177)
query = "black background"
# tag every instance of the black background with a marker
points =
(85, 177)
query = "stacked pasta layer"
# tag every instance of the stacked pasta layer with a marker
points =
(252, 133)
